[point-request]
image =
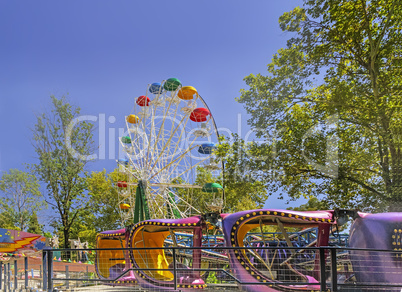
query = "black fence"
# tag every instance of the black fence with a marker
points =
(9, 272)
(248, 268)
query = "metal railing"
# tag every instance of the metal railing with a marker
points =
(11, 276)
(281, 268)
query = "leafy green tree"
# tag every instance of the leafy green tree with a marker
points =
(34, 226)
(313, 204)
(63, 145)
(198, 198)
(103, 211)
(330, 106)
(84, 228)
(105, 198)
(7, 222)
(244, 190)
(20, 199)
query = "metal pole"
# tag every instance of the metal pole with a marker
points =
(50, 271)
(197, 242)
(5, 277)
(15, 275)
(26, 272)
(9, 276)
(334, 272)
(174, 268)
(322, 270)
(67, 277)
(1, 274)
(44, 271)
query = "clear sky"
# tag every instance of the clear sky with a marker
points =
(104, 53)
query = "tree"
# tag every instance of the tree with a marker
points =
(102, 212)
(63, 146)
(20, 199)
(7, 222)
(313, 204)
(241, 191)
(34, 226)
(244, 190)
(330, 106)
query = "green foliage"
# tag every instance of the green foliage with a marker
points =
(102, 211)
(20, 199)
(212, 279)
(63, 147)
(34, 226)
(243, 189)
(7, 222)
(313, 204)
(105, 199)
(328, 108)
(198, 198)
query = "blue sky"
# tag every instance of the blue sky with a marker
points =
(104, 53)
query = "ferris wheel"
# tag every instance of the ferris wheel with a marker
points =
(170, 140)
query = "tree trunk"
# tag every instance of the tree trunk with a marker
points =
(66, 232)
(395, 204)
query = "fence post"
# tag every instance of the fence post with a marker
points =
(1, 274)
(15, 275)
(197, 242)
(174, 268)
(9, 276)
(26, 272)
(5, 276)
(50, 271)
(67, 277)
(323, 284)
(334, 274)
(44, 269)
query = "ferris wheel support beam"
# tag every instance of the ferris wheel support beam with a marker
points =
(141, 211)
(173, 211)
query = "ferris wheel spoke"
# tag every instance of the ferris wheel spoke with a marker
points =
(135, 144)
(163, 122)
(179, 159)
(157, 207)
(191, 147)
(187, 204)
(176, 161)
(173, 204)
(169, 139)
(174, 131)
